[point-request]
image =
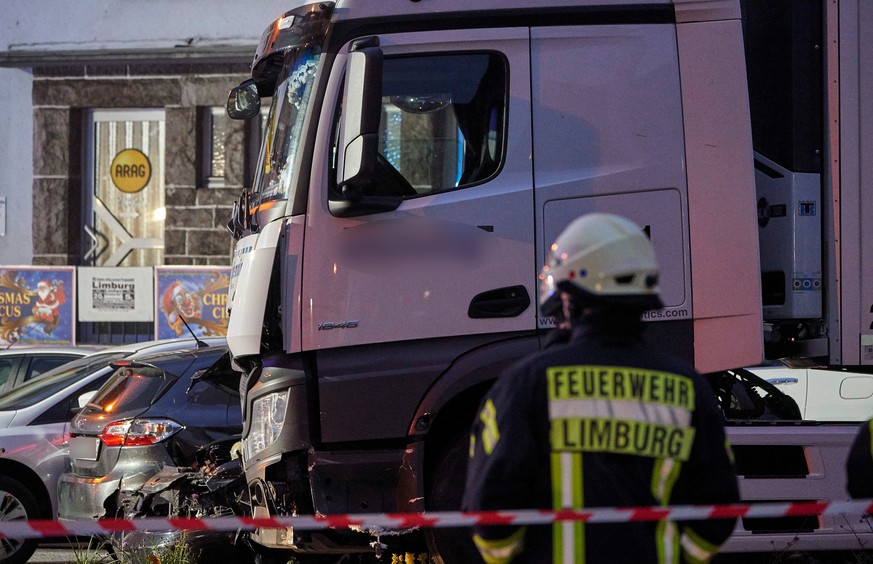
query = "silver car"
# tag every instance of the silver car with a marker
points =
(20, 364)
(154, 412)
(34, 426)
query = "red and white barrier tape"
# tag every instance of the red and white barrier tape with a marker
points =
(397, 521)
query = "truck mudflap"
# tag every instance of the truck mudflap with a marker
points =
(795, 462)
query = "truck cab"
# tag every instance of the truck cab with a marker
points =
(419, 159)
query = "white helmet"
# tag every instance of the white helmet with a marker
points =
(608, 257)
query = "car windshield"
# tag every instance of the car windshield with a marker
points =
(53, 381)
(132, 388)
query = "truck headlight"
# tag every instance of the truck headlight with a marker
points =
(267, 420)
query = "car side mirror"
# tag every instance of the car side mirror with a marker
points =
(85, 398)
(244, 102)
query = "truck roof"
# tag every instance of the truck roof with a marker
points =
(686, 10)
(464, 14)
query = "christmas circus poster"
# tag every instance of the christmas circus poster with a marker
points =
(196, 296)
(37, 306)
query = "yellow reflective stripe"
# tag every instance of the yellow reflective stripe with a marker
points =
(500, 551)
(578, 503)
(568, 494)
(665, 472)
(557, 503)
(568, 537)
(696, 548)
(622, 437)
(620, 383)
(667, 542)
(556, 481)
(661, 471)
(671, 481)
(472, 445)
(557, 543)
(729, 450)
(490, 433)
(657, 471)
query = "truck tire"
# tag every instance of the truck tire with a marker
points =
(444, 493)
(16, 504)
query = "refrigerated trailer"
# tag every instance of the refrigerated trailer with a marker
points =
(420, 155)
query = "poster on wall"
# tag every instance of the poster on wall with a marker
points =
(193, 295)
(37, 306)
(116, 293)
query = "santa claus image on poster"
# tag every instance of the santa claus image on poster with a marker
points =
(180, 304)
(50, 297)
(34, 308)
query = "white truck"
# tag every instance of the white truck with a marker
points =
(419, 156)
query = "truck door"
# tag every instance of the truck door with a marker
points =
(456, 256)
(607, 129)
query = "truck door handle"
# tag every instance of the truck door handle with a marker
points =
(502, 302)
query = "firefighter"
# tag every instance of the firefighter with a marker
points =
(602, 420)
(859, 465)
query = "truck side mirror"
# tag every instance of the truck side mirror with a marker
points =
(361, 115)
(244, 102)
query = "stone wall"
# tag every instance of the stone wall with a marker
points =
(196, 215)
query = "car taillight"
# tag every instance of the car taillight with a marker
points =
(138, 432)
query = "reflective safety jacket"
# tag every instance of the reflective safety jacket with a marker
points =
(600, 422)
(859, 465)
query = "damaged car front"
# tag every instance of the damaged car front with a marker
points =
(213, 486)
(152, 414)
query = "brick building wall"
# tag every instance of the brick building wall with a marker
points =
(195, 231)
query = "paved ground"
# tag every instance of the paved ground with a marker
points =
(55, 554)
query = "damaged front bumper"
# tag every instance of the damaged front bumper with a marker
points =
(334, 483)
(286, 475)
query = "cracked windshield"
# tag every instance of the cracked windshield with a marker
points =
(285, 125)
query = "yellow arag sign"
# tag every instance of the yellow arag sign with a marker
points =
(130, 170)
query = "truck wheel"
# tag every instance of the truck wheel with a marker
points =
(446, 489)
(16, 504)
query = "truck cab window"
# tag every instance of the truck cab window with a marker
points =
(443, 117)
(443, 122)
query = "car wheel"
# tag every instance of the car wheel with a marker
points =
(445, 492)
(16, 504)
